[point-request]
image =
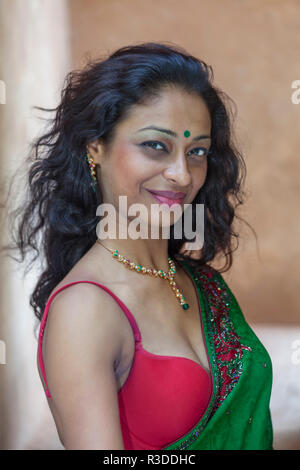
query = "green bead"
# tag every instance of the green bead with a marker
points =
(185, 306)
(140, 267)
(187, 133)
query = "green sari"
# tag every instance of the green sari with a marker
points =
(238, 415)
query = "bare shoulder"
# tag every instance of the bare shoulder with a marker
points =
(81, 346)
(86, 309)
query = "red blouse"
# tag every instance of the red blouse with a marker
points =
(163, 396)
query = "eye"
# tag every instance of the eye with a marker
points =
(203, 151)
(152, 144)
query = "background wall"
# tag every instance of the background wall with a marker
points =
(34, 58)
(253, 47)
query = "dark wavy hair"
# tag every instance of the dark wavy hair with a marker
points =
(58, 218)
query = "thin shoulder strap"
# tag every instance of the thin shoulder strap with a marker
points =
(129, 315)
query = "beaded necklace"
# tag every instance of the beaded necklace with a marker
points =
(169, 276)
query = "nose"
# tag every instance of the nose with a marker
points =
(178, 172)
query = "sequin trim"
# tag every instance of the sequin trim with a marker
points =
(227, 345)
(227, 365)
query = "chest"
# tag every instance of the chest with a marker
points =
(166, 329)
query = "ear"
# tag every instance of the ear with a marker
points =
(96, 150)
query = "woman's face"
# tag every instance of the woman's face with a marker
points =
(147, 159)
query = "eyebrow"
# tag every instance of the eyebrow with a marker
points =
(172, 133)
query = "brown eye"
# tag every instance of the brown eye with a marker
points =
(203, 151)
(152, 144)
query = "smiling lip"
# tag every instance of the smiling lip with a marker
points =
(164, 197)
(168, 194)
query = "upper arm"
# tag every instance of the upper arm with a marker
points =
(82, 344)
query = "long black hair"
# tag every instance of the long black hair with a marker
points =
(57, 220)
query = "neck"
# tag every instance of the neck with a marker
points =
(150, 253)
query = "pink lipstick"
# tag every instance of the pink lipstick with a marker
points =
(168, 197)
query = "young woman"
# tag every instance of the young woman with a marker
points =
(142, 345)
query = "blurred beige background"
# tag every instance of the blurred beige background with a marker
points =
(253, 47)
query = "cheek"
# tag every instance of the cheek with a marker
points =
(203, 173)
(199, 177)
(127, 168)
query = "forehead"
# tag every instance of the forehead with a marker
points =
(173, 108)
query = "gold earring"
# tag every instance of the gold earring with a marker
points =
(92, 167)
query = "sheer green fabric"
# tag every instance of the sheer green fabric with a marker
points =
(238, 415)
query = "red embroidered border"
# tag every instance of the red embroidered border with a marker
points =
(227, 345)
